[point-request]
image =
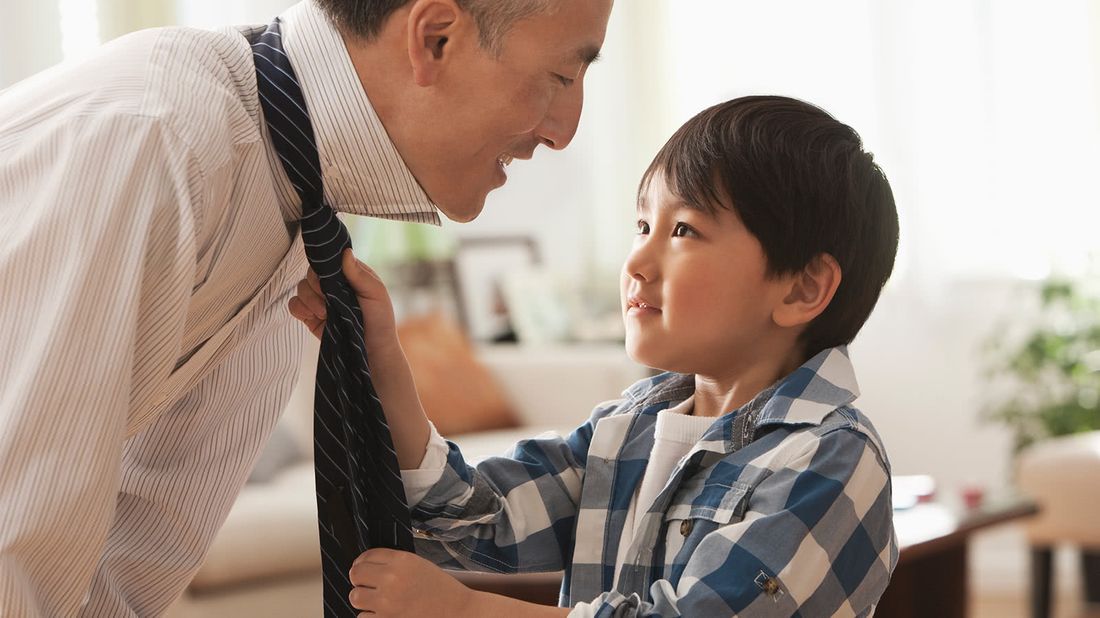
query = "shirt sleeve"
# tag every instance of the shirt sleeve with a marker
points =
(816, 539)
(419, 481)
(508, 514)
(96, 218)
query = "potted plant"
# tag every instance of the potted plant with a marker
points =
(1053, 375)
(1047, 383)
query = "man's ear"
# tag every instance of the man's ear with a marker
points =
(810, 292)
(431, 25)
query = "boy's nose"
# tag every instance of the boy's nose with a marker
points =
(638, 266)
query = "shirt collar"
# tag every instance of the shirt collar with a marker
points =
(822, 384)
(361, 168)
(805, 397)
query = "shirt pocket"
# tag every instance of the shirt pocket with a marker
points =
(697, 512)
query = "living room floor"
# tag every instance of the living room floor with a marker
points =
(1016, 606)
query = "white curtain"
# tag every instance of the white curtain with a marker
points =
(982, 112)
(30, 39)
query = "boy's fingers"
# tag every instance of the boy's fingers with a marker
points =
(359, 276)
(314, 282)
(298, 309)
(312, 300)
(302, 313)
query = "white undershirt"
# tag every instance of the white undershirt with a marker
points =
(677, 431)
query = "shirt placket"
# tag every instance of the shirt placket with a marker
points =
(643, 551)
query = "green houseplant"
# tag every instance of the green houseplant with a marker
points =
(1052, 375)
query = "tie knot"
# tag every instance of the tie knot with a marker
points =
(325, 239)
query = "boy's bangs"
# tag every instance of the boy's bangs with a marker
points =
(689, 165)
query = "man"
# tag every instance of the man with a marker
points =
(151, 244)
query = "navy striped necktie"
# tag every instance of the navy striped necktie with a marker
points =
(360, 496)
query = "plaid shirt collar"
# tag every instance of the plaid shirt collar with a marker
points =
(822, 384)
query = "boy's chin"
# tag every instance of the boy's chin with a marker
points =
(653, 359)
(637, 355)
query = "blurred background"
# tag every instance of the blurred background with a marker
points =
(984, 115)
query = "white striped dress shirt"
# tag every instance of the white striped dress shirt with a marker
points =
(149, 247)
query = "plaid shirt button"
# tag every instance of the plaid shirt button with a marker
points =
(686, 526)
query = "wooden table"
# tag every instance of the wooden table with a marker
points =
(930, 578)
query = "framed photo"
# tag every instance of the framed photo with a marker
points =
(482, 265)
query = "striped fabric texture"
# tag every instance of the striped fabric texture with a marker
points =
(360, 498)
(150, 246)
(796, 522)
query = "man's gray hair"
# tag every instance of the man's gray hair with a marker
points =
(494, 18)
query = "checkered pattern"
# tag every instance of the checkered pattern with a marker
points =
(797, 522)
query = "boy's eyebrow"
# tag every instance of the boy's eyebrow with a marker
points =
(674, 204)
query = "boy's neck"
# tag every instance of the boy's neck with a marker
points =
(724, 392)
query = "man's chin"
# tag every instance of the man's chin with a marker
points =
(464, 211)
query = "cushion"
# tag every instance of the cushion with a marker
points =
(271, 531)
(280, 451)
(458, 393)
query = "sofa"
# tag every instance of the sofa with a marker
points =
(265, 560)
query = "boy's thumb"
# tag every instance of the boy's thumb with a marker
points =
(355, 272)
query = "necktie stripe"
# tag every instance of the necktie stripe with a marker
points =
(279, 105)
(280, 52)
(313, 216)
(360, 497)
(322, 244)
(295, 171)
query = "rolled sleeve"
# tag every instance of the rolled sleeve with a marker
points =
(419, 481)
(508, 514)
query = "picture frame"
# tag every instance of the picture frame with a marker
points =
(481, 267)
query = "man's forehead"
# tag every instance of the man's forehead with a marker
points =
(579, 27)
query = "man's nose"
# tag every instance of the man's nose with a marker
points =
(560, 124)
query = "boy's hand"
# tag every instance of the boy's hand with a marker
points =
(389, 582)
(308, 305)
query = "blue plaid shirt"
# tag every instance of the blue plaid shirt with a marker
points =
(797, 522)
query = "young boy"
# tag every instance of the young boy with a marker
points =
(739, 482)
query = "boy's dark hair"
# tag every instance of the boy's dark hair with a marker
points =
(364, 18)
(802, 184)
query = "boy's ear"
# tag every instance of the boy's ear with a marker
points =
(430, 28)
(810, 292)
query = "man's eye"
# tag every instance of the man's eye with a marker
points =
(643, 227)
(565, 81)
(682, 229)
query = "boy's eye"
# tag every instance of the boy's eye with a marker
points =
(643, 227)
(565, 81)
(682, 229)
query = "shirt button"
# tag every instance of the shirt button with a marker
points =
(686, 526)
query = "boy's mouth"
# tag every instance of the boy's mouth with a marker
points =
(637, 302)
